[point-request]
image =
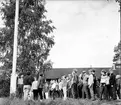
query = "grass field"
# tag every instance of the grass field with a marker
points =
(59, 102)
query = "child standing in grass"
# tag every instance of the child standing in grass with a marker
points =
(34, 89)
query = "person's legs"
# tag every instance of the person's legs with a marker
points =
(108, 92)
(75, 90)
(21, 91)
(72, 91)
(26, 91)
(114, 92)
(83, 92)
(35, 94)
(120, 92)
(40, 93)
(60, 93)
(80, 90)
(98, 92)
(53, 93)
(102, 92)
(46, 95)
(86, 91)
(95, 90)
(65, 93)
(50, 93)
(91, 92)
(57, 93)
(68, 93)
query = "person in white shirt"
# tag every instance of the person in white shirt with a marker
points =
(90, 84)
(20, 86)
(34, 88)
(103, 84)
(53, 85)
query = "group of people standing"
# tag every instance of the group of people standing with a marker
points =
(29, 86)
(85, 85)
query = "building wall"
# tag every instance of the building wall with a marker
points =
(58, 72)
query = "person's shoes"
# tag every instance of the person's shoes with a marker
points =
(114, 99)
(93, 99)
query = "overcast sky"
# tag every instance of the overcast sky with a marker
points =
(87, 31)
(86, 34)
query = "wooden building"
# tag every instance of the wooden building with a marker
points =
(56, 73)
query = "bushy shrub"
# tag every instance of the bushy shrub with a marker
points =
(4, 86)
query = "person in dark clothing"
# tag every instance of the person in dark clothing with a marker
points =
(28, 79)
(74, 84)
(108, 86)
(95, 81)
(40, 86)
(118, 86)
(98, 88)
(68, 88)
(112, 82)
(80, 85)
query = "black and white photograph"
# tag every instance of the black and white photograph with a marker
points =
(60, 52)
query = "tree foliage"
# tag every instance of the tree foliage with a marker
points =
(35, 38)
(117, 51)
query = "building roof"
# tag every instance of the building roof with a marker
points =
(58, 72)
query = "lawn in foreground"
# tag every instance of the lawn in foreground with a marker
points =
(61, 102)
